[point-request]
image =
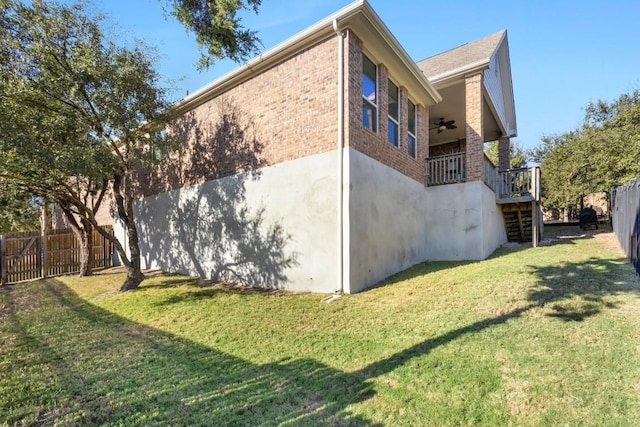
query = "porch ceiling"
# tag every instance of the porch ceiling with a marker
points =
(452, 107)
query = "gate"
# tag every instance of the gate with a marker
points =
(31, 255)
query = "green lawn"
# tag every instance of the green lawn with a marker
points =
(531, 336)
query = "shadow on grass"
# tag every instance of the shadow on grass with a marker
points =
(575, 291)
(92, 367)
(571, 291)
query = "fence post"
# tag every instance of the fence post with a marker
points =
(3, 267)
(44, 228)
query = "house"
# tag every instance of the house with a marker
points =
(331, 162)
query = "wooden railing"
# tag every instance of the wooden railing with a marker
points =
(509, 184)
(30, 255)
(517, 183)
(490, 174)
(448, 169)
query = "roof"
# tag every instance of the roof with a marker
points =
(358, 16)
(461, 59)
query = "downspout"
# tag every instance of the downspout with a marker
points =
(340, 143)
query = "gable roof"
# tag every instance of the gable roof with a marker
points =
(358, 16)
(463, 59)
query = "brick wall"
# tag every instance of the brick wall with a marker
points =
(504, 153)
(284, 113)
(474, 131)
(375, 145)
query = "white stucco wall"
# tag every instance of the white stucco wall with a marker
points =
(464, 222)
(494, 230)
(395, 222)
(388, 222)
(279, 226)
(273, 228)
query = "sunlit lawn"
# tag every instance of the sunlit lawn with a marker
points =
(532, 336)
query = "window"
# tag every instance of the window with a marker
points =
(411, 136)
(394, 110)
(158, 146)
(369, 94)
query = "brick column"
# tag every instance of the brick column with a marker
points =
(504, 153)
(423, 131)
(475, 131)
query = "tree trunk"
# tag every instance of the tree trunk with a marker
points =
(124, 204)
(84, 233)
(85, 237)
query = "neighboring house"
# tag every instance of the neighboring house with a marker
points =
(304, 169)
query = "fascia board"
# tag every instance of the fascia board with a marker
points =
(343, 18)
(268, 58)
(382, 31)
(451, 76)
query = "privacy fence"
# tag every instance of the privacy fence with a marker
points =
(625, 208)
(31, 255)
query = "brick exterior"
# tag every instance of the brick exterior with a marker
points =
(504, 153)
(375, 145)
(475, 131)
(286, 112)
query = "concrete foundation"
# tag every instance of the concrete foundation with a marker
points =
(278, 227)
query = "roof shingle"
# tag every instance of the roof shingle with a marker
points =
(458, 57)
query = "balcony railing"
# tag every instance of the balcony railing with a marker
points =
(518, 183)
(448, 169)
(490, 174)
(512, 185)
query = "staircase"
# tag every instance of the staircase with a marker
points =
(518, 222)
(518, 195)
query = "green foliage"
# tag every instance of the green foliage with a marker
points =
(602, 153)
(75, 110)
(517, 155)
(218, 28)
(18, 211)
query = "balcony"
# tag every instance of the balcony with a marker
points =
(511, 186)
(448, 169)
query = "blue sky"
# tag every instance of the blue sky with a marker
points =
(564, 54)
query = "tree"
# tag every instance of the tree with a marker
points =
(217, 28)
(18, 211)
(75, 115)
(602, 153)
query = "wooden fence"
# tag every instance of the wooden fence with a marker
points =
(30, 255)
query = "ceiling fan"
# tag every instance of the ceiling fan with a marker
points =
(442, 125)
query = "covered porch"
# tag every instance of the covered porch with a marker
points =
(475, 83)
(478, 107)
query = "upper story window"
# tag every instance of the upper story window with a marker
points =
(394, 114)
(158, 145)
(411, 135)
(369, 94)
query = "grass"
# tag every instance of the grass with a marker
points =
(531, 336)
